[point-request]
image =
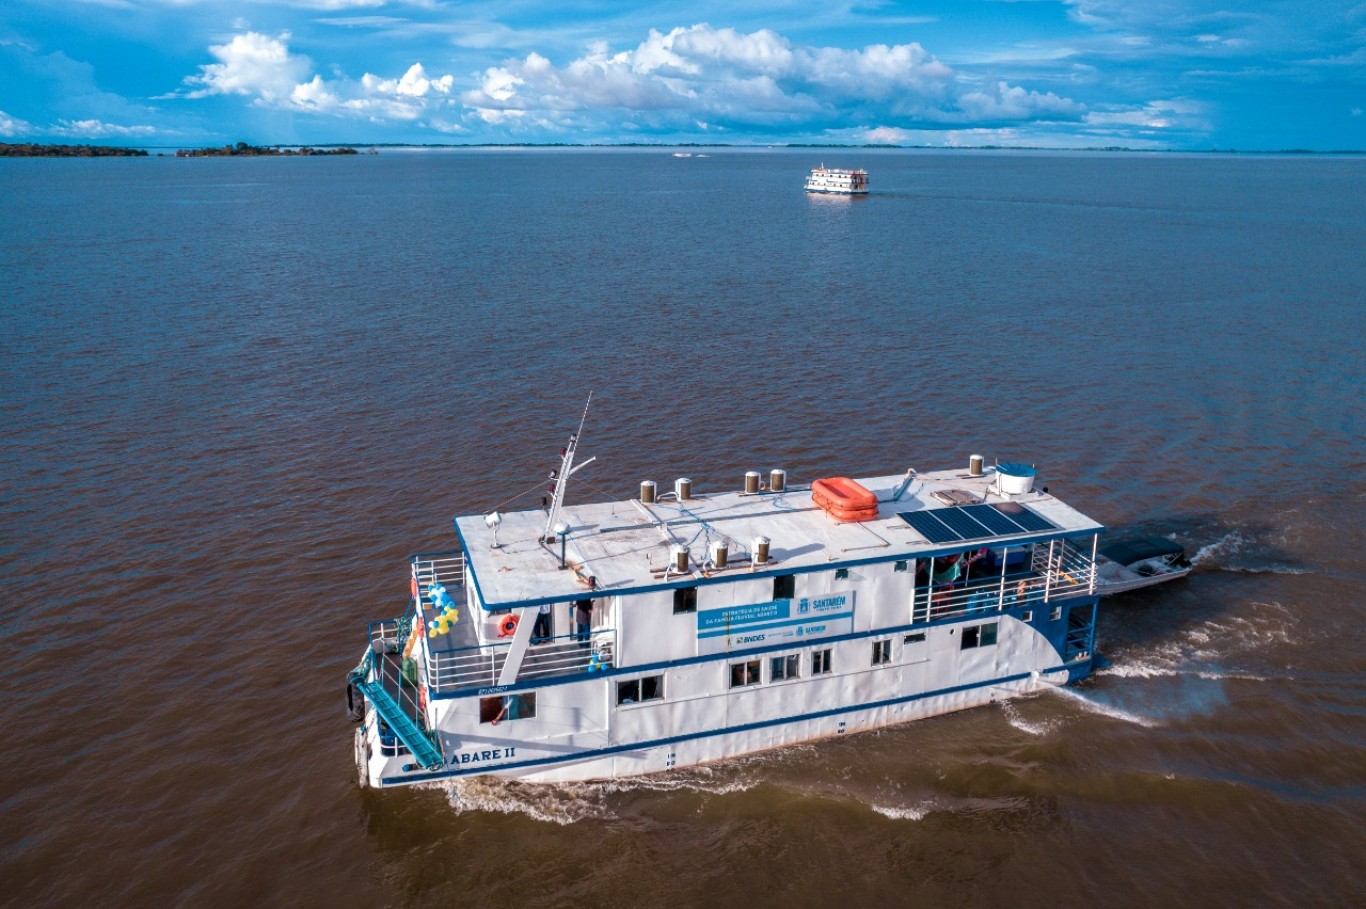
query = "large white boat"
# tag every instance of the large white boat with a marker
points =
(834, 180)
(674, 628)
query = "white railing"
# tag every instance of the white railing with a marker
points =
(480, 666)
(445, 567)
(1057, 569)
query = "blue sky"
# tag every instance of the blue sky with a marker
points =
(1171, 74)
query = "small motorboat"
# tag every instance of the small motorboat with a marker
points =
(1131, 564)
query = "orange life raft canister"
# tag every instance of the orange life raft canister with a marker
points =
(844, 500)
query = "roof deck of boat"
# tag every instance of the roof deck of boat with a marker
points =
(626, 545)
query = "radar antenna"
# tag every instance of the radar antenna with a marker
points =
(560, 478)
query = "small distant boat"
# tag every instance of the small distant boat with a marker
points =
(835, 180)
(682, 154)
(1131, 564)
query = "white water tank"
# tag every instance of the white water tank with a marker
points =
(1015, 479)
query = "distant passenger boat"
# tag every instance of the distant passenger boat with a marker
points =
(605, 640)
(834, 180)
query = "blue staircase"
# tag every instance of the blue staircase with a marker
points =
(413, 738)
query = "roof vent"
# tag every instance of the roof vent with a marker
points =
(777, 480)
(760, 550)
(751, 482)
(680, 554)
(647, 492)
(975, 466)
(683, 489)
(720, 553)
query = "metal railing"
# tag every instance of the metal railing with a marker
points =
(1058, 569)
(481, 666)
(445, 567)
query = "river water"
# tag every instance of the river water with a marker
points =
(236, 394)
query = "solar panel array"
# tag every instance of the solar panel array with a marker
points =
(975, 522)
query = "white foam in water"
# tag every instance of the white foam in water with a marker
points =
(1228, 543)
(1106, 709)
(552, 804)
(568, 803)
(899, 813)
(1016, 719)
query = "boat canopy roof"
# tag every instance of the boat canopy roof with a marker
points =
(626, 546)
(1127, 552)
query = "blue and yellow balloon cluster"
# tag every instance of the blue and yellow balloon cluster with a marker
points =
(446, 612)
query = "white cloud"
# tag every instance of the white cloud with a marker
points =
(265, 69)
(721, 77)
(1010, 102)
(97, 129)
(13, 126)
(686, 80)
(251, 64)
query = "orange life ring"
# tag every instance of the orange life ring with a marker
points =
(507, 627)
(415, 596)
(422, 698)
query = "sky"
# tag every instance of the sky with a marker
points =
(1142, 74)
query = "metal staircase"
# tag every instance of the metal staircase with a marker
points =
(413, 738)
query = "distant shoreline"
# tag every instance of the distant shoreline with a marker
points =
(243, 149)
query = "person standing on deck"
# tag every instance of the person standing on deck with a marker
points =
(541, 631)
(583, 615)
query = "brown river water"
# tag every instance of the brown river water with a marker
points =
(235, 395)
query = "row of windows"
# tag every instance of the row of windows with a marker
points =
(780, 668)
(742, 674)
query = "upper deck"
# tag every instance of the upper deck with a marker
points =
(626, 545)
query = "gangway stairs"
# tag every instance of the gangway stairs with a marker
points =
(413, 738)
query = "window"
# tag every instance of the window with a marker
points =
(882, 652)
(820, 662)
(1027, 615)
(1055, 613)
(917, 638)
(508, 707)
(979, 636)
(746, 673)
(900, 566)
(841, 574)
(784, 587)
(784, 667)
(685, 600)
(650, 688)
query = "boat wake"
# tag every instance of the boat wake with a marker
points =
(1095, 706)
(1232, 552)
(1032, 727)
(568, 803)
(900, 813)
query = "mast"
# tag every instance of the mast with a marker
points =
(560, 478)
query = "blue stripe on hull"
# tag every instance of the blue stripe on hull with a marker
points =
(1074, 672)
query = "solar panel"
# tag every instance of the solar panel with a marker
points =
(996, 522)
(929, 527)
(975, 522)
(1026, 518)
(963, 524)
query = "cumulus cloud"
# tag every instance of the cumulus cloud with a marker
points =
(728, 79)
(1010, 102)
(12, 126)
(98, 129)
(251, 64)
(694, 80)
(265, 69)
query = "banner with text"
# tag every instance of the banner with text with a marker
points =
(777, 622)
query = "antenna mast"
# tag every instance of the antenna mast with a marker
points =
(560, 478)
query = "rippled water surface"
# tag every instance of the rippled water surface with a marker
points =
(236, 394)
